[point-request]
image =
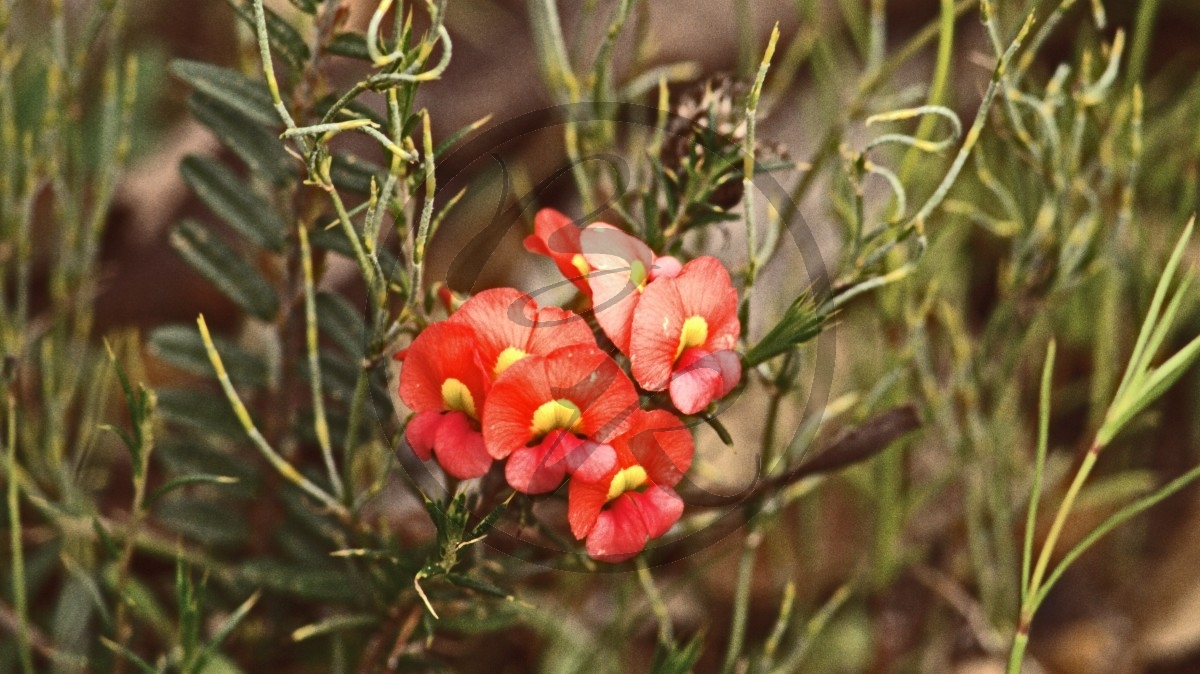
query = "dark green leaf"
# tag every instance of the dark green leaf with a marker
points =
(352, 45)
(110, 545)
(188, 601)
(357, 107)
(261, 149)
(342, 322)
(138, 662)
(182, 346)
(453, 138)
(221, 265)
(229, 197)
(192, 456)
(306, 6)
(230, 87)
(477, 585)
(285, 41)
(327, 585)
(486, 523)
(800, 323)
(676, 659)
(212, 523)
(187, 480)
(137, 410)
(225, 630)
(352, 173)
(207, 412)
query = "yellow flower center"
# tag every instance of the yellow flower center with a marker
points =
(506, 358)
(638, 274)
(456, 396)
(693, 334)
(625, 480)
(580, 263)
(554, 415)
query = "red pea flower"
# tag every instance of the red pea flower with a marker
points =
(544, 408)
(557, 237)
(509, 326)
(621, 497)
(683, 335)
(622, 267)
(444, 382)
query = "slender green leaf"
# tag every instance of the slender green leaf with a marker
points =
(285, 41)
(314, 584)
(182, 346)
(352, 45)
(677, 659)
(455, 137)
(231, 88)
(200, 410)
(342, 322)
(337, 623)
(1139, 360)
(259, 148)
(142, 665)
(355, 174)
(485, 587)
(232, 275)
(800, 323)
(187, 480)
(1159, 380)
(225, 630)
(232, 199)
(306, 6)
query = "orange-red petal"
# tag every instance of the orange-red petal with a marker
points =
(588, 490)
(660, 443)
(702, 288)
(557, 237)
(506, 318)
(701, 377)
(442, 351)
(615, 258)
(452, 439)
(582, 375)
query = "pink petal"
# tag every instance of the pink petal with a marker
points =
(657, 326)
(731, 370)
(611, 254)
(619, 532)
(599, 466)
(421, 433)
(696, 382)
(705, 289)
(589, 490)
(530, 472)
(662, 444)
(460, 451)
(660, 507)
(666, 266)
(567, 449)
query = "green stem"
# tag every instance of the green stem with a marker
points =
(20, 601)
(264, 54)
(320, 422)
(1028, 605)
(741, 599)
(665, 631)
(284, 468)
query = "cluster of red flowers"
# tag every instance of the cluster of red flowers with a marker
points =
(505, 379)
